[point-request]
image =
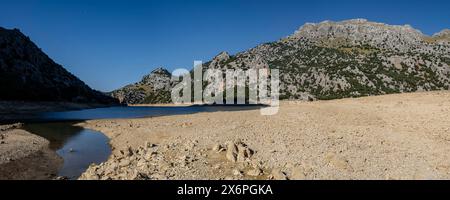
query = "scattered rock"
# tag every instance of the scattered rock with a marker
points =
(231, 152)
(237, 172)
(218, 148)
(244, 152)
(186, 124)
(190, 145)
(278, 174)
(254, 172)
(149, 145)
(238, 151)
(10, 126)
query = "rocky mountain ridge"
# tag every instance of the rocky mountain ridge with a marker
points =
(351, 58)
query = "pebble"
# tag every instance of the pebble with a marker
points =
(237, 172)
(278, 174)
(217, 148)
(149, 145)
(254, 172)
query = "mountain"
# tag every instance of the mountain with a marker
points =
(351, 58)
(28, 74)
(153, 88)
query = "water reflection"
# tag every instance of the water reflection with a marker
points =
(77, 146)
(57, 133)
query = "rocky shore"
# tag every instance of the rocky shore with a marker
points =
(403, 136)
(25, 156)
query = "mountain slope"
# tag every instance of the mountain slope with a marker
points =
(153, 88)
(28, 74)
(350, 58)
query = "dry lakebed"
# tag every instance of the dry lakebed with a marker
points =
(399, 136)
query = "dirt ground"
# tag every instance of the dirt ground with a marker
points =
(401, 136)
(24, 156)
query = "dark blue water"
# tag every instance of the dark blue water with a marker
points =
(132, 112)
(81, 147)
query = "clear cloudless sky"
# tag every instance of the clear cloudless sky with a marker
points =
(111, 43)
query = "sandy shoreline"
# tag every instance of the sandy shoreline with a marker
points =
(25, 156)
(401, 136)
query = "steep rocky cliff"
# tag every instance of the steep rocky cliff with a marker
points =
(28, 74)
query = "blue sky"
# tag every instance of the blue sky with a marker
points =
(110, 43)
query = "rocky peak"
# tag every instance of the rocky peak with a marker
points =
(222, 56)
(161, 71)
(443, 33)
(159, 78)
(158, 73)
(359, 26)
(357, 31)
(153, 88)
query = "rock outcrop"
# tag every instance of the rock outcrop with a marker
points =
(153, 88)
(28, 74)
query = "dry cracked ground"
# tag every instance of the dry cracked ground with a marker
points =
(401, 136)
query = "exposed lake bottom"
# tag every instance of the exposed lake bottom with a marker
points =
(80, 147)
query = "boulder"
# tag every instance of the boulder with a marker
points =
(238, 151)
(232, 152)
